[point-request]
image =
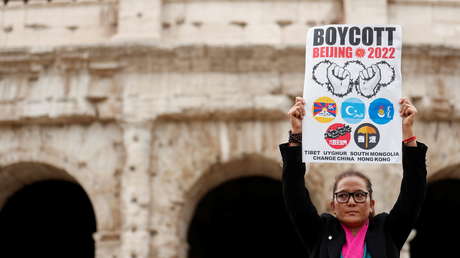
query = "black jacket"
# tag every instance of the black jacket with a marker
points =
(324, 237)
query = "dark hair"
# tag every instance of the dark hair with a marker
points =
(350, 173)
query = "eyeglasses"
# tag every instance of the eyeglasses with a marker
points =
(344, 197)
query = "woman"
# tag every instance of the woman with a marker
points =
(354, 231)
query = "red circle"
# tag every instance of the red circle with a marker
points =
(338, 135)
(360, 52)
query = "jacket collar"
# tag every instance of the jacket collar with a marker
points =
(375, 245)
(335, 241)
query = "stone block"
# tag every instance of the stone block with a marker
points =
(139, 19)
(365, 12)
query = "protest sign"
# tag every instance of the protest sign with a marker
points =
(352, 91)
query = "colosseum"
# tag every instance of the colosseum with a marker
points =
(150, 129)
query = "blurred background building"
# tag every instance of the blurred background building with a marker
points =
(149, 128)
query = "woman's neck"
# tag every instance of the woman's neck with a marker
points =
(355, 229)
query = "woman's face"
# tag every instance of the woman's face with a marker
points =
(351, 213)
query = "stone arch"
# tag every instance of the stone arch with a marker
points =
(51, 165)
(438, 216)
(41, 204)
(448, 172)
(247, 218)
(17, 175)
(246, 166)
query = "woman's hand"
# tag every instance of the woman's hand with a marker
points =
(408, 112)
(296, 114)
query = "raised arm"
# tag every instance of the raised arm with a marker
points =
(297, 199)
(404, 214)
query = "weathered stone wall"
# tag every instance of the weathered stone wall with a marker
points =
(78, 153)
(222, 22)
(43, 23)
(150, 104)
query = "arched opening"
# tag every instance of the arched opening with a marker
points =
(438, 224)
(244, 217)
(51, 218)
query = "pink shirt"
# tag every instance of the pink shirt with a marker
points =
(354, 245)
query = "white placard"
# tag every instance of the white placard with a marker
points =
(352, 91)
